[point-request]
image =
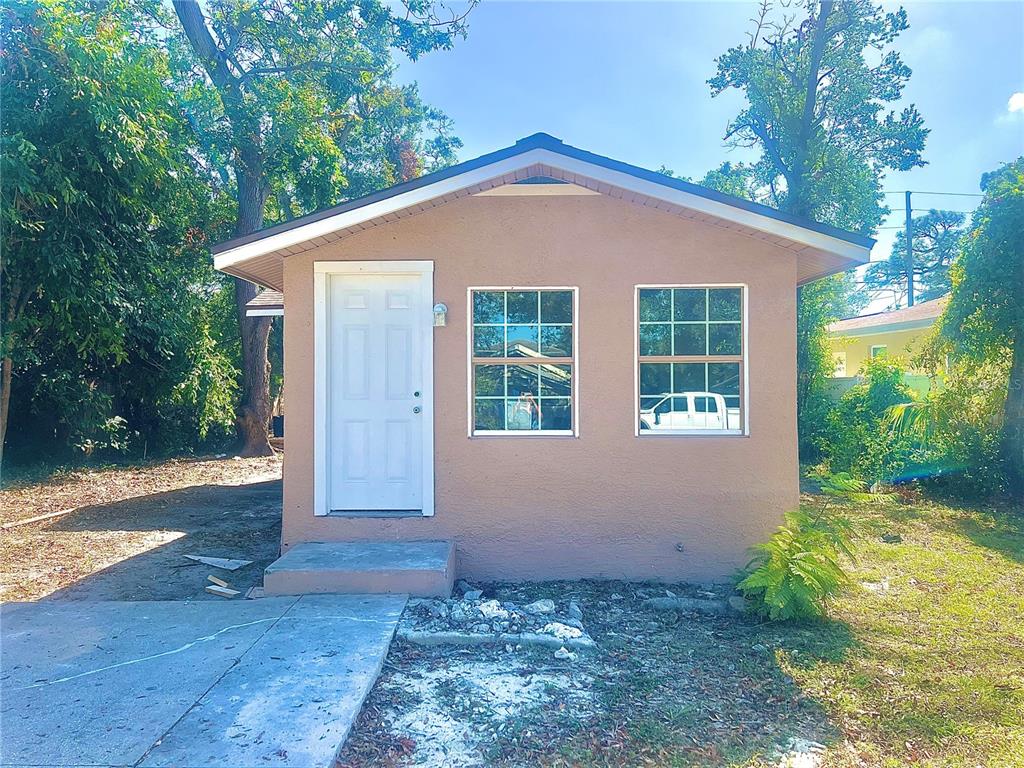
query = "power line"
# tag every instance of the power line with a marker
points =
(947, 194)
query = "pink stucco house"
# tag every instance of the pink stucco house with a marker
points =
(541, 363)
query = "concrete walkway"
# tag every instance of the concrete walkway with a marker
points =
(270, 682)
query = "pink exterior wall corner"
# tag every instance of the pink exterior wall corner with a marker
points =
(606, 504)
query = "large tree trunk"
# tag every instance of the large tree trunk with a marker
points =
(15, 304)
(1013, 418)
(253, 416)
(254, 410)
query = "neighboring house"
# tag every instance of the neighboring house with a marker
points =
(271, 304)
(566, 365)
(897, 333)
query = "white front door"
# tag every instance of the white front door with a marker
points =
(378, 331)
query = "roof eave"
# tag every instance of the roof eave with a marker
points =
(850, 248)
(881, 328)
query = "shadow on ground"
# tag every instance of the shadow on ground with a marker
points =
(1001, 530)
(143, 541)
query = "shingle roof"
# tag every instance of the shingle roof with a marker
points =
(550, 143)
(919, 315)
(820, 249)
(265, 301)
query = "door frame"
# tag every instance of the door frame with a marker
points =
(321, 362)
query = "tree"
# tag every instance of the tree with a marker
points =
(935, 243)
(817, 82)
(104, 267)
(984, 320)
(732, 179)
(293, 106)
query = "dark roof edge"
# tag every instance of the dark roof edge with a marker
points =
(546, 141)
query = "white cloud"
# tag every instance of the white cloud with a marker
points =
(1016, 102)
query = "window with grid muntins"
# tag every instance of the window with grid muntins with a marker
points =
(523, 360)
(690, 349)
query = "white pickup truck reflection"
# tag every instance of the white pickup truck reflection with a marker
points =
(687, 410)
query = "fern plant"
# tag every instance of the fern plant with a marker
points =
(795, 573)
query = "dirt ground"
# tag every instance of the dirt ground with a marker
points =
(126, 530)
(661, 688)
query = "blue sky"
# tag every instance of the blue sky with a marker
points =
(628, 80)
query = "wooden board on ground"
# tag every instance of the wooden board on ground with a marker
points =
(213, 589)
(226, 563)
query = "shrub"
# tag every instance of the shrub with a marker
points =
(799, 569)
(957, 430)
(860, 438)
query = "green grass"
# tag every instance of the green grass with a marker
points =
(935, 676)
(925, 674)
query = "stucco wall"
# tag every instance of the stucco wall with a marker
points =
(605, 504)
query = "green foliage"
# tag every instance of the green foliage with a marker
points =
(308, 87)
(935, 242)
(736, 179)
(795, 573)
(818, 304)
(845, 486)
(817, 80)
(860, 438)
(956, 430)
(976, 423)
(105, 270)
(985, 314)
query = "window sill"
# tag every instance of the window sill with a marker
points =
(693, 433)
(517, 433)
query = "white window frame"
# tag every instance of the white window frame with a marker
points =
(471, 432)
(872, 353)
(744, 430)
(321, 361)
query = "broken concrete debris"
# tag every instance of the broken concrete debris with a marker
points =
(475, 622)
(574, 611)
(562, 631)
(540, 606)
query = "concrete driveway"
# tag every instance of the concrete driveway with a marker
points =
(268, 682)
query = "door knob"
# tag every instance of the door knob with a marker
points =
(416, 409)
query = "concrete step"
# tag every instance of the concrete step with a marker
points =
(418, 568)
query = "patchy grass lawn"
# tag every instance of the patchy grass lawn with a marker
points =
(921, 663)
(123, 530)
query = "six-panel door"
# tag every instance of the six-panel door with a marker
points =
(375, 396)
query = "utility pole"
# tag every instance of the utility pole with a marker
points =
(910, 253)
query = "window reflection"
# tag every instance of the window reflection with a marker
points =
(527, 385)
(690, 343)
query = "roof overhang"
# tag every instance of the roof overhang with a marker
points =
(822, 249)
(266, 304)
(872, 330)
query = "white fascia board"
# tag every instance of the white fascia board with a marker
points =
(714, 208)
(264, 313)
(288, 238)
(373, 210)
